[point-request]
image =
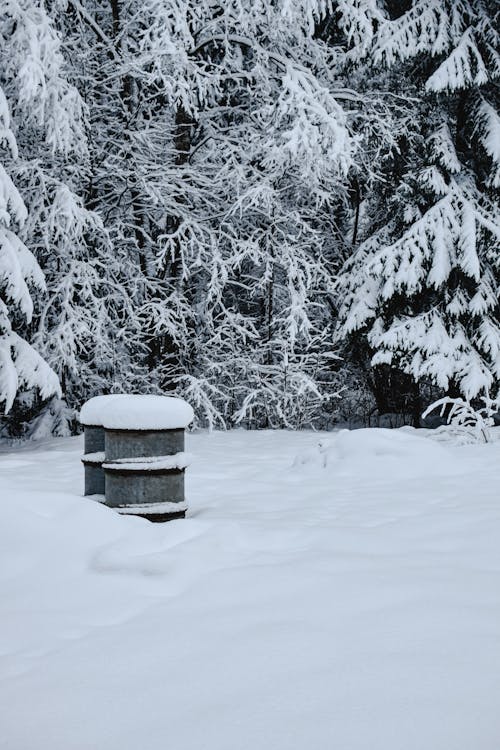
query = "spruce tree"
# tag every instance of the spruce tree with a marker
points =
(21, 366)
(422, 287)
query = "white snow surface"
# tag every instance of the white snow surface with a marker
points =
(401, 453)
(147, 412)
(351, 603)
(179, 460)
(152, 508)
(91, 412)
(94, 458)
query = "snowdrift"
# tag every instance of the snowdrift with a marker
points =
(396, 454)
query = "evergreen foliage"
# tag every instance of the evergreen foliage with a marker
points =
(220, 198)
(422, 287)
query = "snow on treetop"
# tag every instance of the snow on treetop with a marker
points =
(92, 411)
(147, 412)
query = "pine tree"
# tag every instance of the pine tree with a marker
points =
(78, 323)
(422, 288)
(21, 367)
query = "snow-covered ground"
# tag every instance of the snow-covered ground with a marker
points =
(345, 597)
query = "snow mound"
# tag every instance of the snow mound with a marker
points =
(147, 412)
(92, 410)
(397, 453)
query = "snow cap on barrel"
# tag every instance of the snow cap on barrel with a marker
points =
(92, 410)
(147, 412)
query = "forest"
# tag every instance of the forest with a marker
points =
(283, 211)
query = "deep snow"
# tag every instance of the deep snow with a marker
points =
(146, 412)
(342, 597)
(92, 411)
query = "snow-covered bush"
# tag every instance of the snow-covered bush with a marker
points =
(466, 424)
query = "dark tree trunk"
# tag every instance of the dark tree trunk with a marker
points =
(356, 193)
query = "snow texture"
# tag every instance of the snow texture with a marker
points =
(376, 452)
(91, 412)
(94, 458)
(347, 606)
(147, 412)
(152, 508)
(153, 463)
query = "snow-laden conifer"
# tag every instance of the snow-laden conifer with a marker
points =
(422, 288)
(82, 305)
(20, 365)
